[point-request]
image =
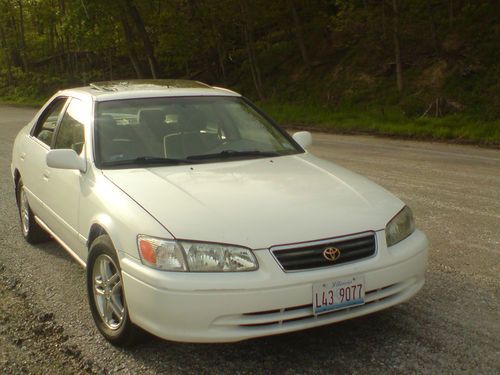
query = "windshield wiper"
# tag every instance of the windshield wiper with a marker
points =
(226, 154)
(147, 160)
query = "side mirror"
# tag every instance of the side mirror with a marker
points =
(65, 159)
(304, 139)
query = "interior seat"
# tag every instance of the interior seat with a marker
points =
(114, 140)
(152, 130)
(192, 139)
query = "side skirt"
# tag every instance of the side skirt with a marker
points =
(61, 242)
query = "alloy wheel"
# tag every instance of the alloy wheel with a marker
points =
(108, 293)
(25, 211)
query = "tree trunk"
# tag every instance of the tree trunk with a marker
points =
(397, 50)
(110, 65)
(135, 63)
(252, 60)
(22, 38)
(129, 41)
(62, 6)
(221, 54)
(60, 38)
(13, 44)
(69, 65)
(299, 33)
(450, 13)
(5, 47)
(384, 32)
(148, 46)
(21, 24)
(52, 47)
(434, 40)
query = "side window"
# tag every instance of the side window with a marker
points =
(48, 121)
(71, 130)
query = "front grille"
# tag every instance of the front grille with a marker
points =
(304, 257)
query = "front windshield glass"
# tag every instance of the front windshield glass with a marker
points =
(177, 130)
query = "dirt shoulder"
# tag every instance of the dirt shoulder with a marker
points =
(31, 342)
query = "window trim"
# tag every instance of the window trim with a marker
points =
(59, 122)
(41, 119)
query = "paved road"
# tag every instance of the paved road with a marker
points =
(452, 326)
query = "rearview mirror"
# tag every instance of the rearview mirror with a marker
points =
(65, 159)
(304, 139)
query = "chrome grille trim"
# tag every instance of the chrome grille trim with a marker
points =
(354, 246)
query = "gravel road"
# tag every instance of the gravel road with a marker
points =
(451, 326)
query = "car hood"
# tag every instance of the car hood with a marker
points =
(259, 203)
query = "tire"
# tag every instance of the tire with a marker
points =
(32, 232)
(106, 296)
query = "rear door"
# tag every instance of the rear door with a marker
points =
(32, 163)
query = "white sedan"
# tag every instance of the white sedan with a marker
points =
(198, 219)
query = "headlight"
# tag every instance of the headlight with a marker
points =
(171, 255)
(400, 226)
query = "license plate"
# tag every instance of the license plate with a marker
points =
(338, 294)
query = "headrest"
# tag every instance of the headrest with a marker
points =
(192, 121)
(151, 117)
(105, 121)
(107, 127)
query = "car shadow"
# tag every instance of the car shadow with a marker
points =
(52, 248)
(335, 345)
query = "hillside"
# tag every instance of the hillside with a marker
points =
(427, 68)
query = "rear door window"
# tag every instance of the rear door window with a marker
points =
(47, 123)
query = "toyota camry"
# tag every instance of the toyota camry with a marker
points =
(199, 219)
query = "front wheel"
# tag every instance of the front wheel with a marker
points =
(106, 295)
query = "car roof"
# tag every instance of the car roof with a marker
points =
(131, 89)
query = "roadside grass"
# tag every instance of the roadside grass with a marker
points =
(24, 98)
(25, 102)
(464, 128)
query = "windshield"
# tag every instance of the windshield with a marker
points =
(177, 130)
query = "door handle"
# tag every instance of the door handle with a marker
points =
(46, 175)
(22, 156)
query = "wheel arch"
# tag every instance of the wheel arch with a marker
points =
(96, 230)
(103, 224)
(17, 178)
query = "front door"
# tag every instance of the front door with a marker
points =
(64, 186)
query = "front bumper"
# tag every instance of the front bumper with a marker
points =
(226, 307)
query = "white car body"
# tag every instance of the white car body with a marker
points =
(262, 204)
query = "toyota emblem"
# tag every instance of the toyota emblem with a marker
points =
(331, 254)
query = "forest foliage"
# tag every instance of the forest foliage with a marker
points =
(410, 58)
